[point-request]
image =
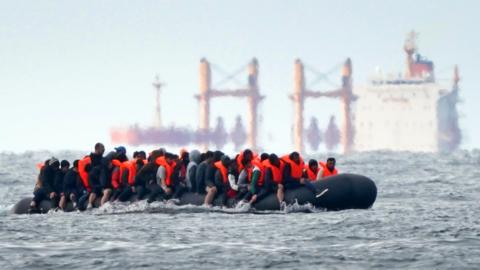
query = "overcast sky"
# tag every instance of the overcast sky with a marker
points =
(69, 71)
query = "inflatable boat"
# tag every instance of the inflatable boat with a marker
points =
(339, 192)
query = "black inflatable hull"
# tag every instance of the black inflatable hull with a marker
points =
(343, 191)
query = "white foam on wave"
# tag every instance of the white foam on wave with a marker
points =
(111, 208)
(5, 209)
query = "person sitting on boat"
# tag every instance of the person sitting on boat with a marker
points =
(327, 169)
(311, 170)
(274, 178)
(108, 166)
(128, 174)
(45, 182)
(209, 178)
(167, 173)
(194, 160)
(225, 179)
(293, 173)
(145, 179)
(58, 181)
(94, 159)
(243, 158)
(96, 189)
(201, 172)
(255, 179)
(72, 187)
(183, 160)
(119, 179)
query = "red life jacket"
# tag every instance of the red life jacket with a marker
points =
(132, 170)
(326, 171)
(40, 165)
(82, 163)
(161, 161)
(117, 173)
(256, 163)
(277, 172)
(311, 175)
(224, 172)
(296, 169)
(240, 160)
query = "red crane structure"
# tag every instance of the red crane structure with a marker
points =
(344, 93)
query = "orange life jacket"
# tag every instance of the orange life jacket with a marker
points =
(296, 169)
(326, 171)
(222, 170)
(82, 163)
(132, 170)
(240, 160)
(277, 172)
(256, 163)
(161, 161)
(40, 165)
(117, 173)
(311, 175)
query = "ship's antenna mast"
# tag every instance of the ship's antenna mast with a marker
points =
(158, 117)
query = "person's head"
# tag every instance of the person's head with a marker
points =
(295, 157)
(331, 163)
(274, 160)
(121, 150)
(217, 155)
(195, 156)
(169, 157)
(99, 149)
(162, 151)
(313, 164)
(247, 155)
(185, 157)
(154, 155)
(263, 156)
(64, 165)
(75, 164)
(135, 154)
(226, 161)
(141, 155)
(53, 163)
(209, 156)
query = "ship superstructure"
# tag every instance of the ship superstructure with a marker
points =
(410, 112)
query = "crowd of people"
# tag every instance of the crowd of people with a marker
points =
(162, 175)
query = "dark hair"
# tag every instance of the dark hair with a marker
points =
(98, 145)
(217, 155)
(208, 154)
(226, 160)
(142, 154)
(264, 156)
(135, 154)
(331, 159)
(64, 163)
(169, 155)
(293, 154)
(75, 163)
(312, 162)
(273, 158)
(247, 151)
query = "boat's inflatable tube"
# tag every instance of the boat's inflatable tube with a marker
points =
(343, 191)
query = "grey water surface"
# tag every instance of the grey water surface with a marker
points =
(426, 217)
